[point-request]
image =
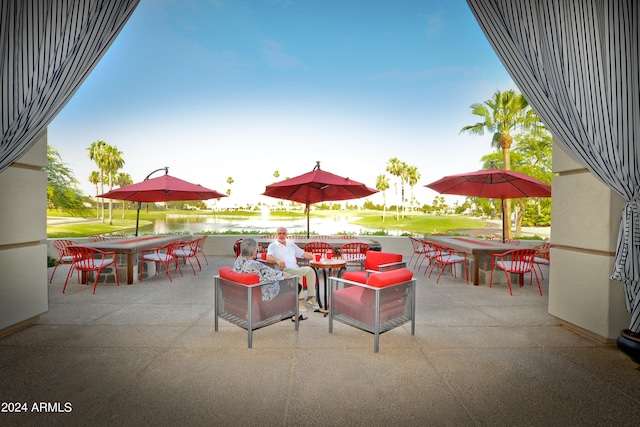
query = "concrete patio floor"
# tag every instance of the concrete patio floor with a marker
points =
(147, 354)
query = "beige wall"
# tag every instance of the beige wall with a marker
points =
(584, 229)
(23, 261)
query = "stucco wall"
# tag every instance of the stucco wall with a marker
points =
(23, 260)
(585, 222)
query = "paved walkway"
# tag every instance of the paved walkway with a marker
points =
(147, 354)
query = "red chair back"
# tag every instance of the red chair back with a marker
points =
(62, 246)
(519, 260)
(354, 251)
(543, 250)
(318, 247)
(87, 259)
(375, 258)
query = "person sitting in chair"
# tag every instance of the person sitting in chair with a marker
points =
(285, 254)
(246, 263)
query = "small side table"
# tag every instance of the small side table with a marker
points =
(327, 265)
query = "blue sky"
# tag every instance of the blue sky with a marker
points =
(223, 88)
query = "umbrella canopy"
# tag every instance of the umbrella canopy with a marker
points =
(492, 184)
(165, 188)
(318, 186)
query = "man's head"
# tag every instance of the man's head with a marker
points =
(281, 234)
(248, 246)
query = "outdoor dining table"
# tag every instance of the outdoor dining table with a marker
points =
(479, 249)
(130, 247)
(327, 265)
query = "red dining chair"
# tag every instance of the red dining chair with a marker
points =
(447, 256)
(429, 252)
(543, 256)
(186, 251)
(96, 238)
(418, 250)
(200, 249)
(90, 259)
(64, 255)
(354, 253)
(317, 247)
(163, 255)
(517, 261)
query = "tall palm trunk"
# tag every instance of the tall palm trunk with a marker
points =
(505, 142)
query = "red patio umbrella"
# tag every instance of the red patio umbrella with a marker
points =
(165, 188)
(318, 186)
(492, 184)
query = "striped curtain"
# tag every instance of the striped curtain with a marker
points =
(47, 49)
(577, 63)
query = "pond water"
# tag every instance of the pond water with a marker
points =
(264, 224)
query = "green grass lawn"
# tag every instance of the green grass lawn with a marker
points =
(422, 224)
(416, 224)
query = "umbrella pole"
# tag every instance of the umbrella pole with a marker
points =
(504, 222)
(138, 217)
(307, 220)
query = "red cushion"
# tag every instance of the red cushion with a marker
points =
(380, 280)
(244, 278)
(356, 276)
(351, 301)
(374, 259)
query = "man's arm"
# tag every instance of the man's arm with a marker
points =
(272, 259)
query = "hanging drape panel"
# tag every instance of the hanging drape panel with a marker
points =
(577, 63)
(47, 49)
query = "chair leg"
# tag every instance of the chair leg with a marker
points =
(64, 288)
(54, 271)
(178, 267)
(491, 276)
(439, 274)
(166, 268)
(508, 282)
(424, 256)
(538, 280)
(429, 264)
(95, 283)
(198, 261)
(192, 268)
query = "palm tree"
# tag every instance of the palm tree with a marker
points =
(394, 167)
(413, 176)
(403, 178)
(97, 154)
(382, 184)
(229, 181)
(112, 162)
(276, 175)
(503, 115)
(122, 180)
(94, 178)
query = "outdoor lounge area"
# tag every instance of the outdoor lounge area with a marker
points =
(147, 353)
